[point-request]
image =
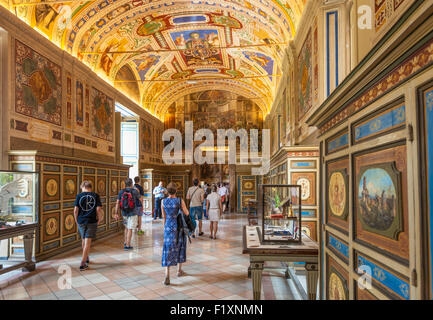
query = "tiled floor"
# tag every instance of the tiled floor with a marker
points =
(215, 269)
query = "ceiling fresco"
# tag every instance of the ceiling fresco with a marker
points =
(169, 49)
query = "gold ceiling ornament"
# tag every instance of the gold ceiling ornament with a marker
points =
(180, 50)
(192, 80)
(36, 3)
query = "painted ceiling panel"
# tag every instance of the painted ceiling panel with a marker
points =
(174, 48)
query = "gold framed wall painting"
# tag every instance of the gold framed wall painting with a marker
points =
(51, 191)
(114, 186)
(337, 281)
(70, 187)
(307, 181)
(380, 206)
(101, 186)
(69, 225)
(50, 226)
(337, 194)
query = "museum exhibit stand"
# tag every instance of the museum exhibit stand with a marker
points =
(18, 219)
(280, 237)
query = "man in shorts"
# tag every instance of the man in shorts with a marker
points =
(88, 214)
(139, 203)
(127, 203)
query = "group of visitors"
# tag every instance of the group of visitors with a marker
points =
(179, 222)
(88, 214)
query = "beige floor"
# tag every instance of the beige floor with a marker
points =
(215, 269)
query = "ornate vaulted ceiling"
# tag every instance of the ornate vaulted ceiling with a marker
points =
(158, 51)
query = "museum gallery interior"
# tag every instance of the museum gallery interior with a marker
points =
(329, 193)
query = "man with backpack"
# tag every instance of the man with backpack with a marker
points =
(196, 196)
(127, 203)
(139, 203)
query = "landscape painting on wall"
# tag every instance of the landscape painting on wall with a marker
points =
(38, 85)
(378, 199)
(102, 115)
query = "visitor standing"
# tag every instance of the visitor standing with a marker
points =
(127, 203)
(174, 245)
(159, 191)
(222, 191)
(196, 196)
(214, 209)
(88, 214)
(139, 204)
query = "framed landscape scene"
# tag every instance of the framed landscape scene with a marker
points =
(380, 205)
(378, 192)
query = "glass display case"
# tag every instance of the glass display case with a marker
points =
(18, 198)
(279, 207)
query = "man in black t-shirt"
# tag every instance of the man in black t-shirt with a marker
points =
(88, 214)
(139, 203)
(127, 204)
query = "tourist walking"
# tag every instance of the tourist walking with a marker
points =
(159, 191)
(127, 203)
(214, 209)
(88, 214)
(174, 245)
(222, 191)
(196, 196)
(139, 204)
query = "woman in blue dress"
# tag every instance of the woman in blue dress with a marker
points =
(173, 249)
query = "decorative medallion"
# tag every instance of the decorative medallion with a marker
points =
(114, 186)
(51, 226)
(305, 188)
(101, 186)
(337, 194)
(69, 187)
(69, 222)
(248, 185)
(336, 290)
(122, 185)
(52, 187)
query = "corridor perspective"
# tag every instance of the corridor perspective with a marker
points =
(255, 150)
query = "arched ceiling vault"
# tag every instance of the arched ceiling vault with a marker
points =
(175, 47)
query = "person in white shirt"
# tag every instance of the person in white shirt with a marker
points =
(223, 192)
(214, 209)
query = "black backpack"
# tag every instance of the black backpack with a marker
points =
(127, 203)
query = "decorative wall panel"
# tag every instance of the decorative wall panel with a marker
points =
(379, 124)
(58, 231)
(337, 281)
(307, 180)
(425, 115)
(337, 194)
(381, 218)
(305, 75)
(384, 278)
(102, 115)
(38, 91)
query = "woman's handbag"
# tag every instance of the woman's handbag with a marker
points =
(184, 224)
